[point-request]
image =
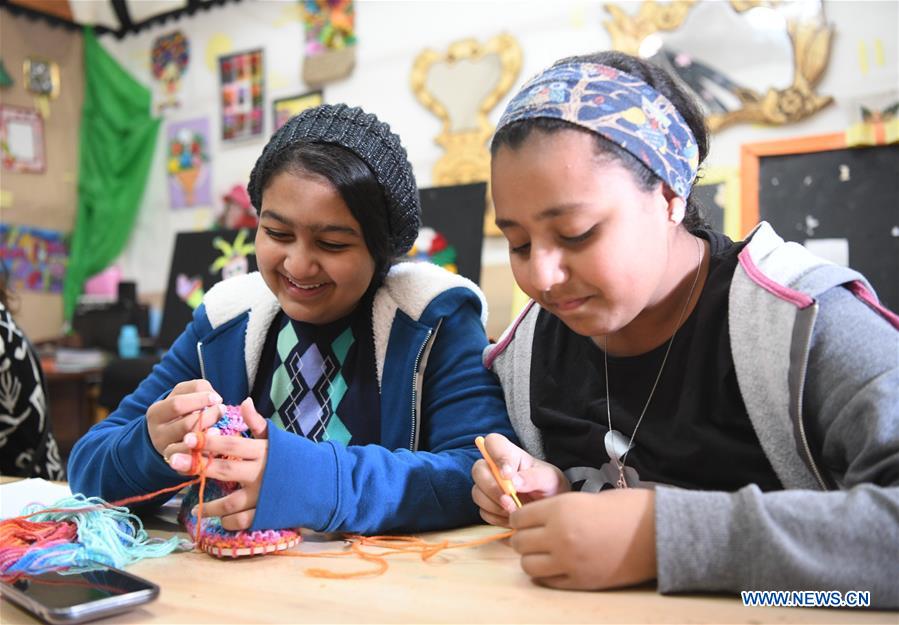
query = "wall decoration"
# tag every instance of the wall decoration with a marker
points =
(743, 60)
(330, 27)
(242, 82)
(237, 211)
(22, 139)
(452, 235)
(285, 108)
(5, 79)
(874, 119)
(433, 247)
(170, 57)
(35, 258)
(200, 260)
(190, 173)
(461, 86)
(42, 81)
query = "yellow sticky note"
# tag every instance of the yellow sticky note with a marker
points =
(863, 58)
(5, 198)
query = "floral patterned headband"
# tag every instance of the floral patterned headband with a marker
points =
(619, 107)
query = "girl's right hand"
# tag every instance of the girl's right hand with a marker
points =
(169, 419)
(533, 479)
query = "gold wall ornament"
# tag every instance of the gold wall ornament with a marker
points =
(807, 32)
(461, 86)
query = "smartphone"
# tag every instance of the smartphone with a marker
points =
(64, 599)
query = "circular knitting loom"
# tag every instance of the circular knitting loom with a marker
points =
(212, 537)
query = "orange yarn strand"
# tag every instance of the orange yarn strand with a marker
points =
(393, 545)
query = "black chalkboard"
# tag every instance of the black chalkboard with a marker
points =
(200, 260)
(850, 194)
(457, 212)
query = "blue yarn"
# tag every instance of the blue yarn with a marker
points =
(106, 535)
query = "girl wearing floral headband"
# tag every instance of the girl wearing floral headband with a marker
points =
(711, 414)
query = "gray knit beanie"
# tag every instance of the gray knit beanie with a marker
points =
(368, 138)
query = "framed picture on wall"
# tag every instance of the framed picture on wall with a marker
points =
(285, 108)
(242, 84)
(22, 139)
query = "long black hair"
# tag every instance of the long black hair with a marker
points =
(355, 183)
(515, 133)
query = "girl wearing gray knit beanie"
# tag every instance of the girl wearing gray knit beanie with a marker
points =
(360, 378)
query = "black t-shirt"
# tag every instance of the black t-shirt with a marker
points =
(696, 432)
(319, 381)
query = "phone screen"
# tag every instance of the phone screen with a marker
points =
(77, 597)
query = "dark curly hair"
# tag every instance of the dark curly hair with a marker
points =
(517, 132)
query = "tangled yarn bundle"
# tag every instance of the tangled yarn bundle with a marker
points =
(75, 534)
(211, 536)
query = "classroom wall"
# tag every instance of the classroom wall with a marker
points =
(46, 200)
(391, 34)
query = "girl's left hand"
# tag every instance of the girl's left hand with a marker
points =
(231, 459)
(588, 541)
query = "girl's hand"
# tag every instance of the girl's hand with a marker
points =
(588, 541)
(231, 459)
(533, 479)
(169, 419)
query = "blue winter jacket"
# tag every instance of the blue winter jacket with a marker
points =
(436, 397)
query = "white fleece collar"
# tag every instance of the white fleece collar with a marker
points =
(231, 297)
(409, 286)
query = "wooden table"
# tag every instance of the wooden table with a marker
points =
(479, 584)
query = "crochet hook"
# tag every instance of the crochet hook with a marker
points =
(504, 484)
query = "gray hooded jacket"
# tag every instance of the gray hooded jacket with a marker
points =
(817, 363)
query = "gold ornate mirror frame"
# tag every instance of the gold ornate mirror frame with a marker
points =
(466, 158)
(809, 38)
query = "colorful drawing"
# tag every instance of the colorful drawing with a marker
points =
(190, 180)
(233, 261)
(242, 94)
(431, 246)
(285, 108)
(171, 54)
(35, 258)
(329, 25)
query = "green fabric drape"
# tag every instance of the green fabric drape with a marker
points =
(118, 138)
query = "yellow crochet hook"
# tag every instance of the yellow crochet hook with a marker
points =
(504, 484)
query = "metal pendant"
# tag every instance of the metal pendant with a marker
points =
(616, 445)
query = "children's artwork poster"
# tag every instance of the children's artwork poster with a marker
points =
(329, 25)
(241, 76)
(188, 165)
(452, 232)
(200, 260)
(22, 140)
(285, 108)
(330, 33)
(170, 56)
(34, 257)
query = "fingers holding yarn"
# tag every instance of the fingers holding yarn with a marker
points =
(231, 470)
(240, 521)
(207, 418)
(241, 500)
(256, 422)
(236, 447)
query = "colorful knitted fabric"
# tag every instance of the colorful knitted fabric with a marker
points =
(214, 539)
